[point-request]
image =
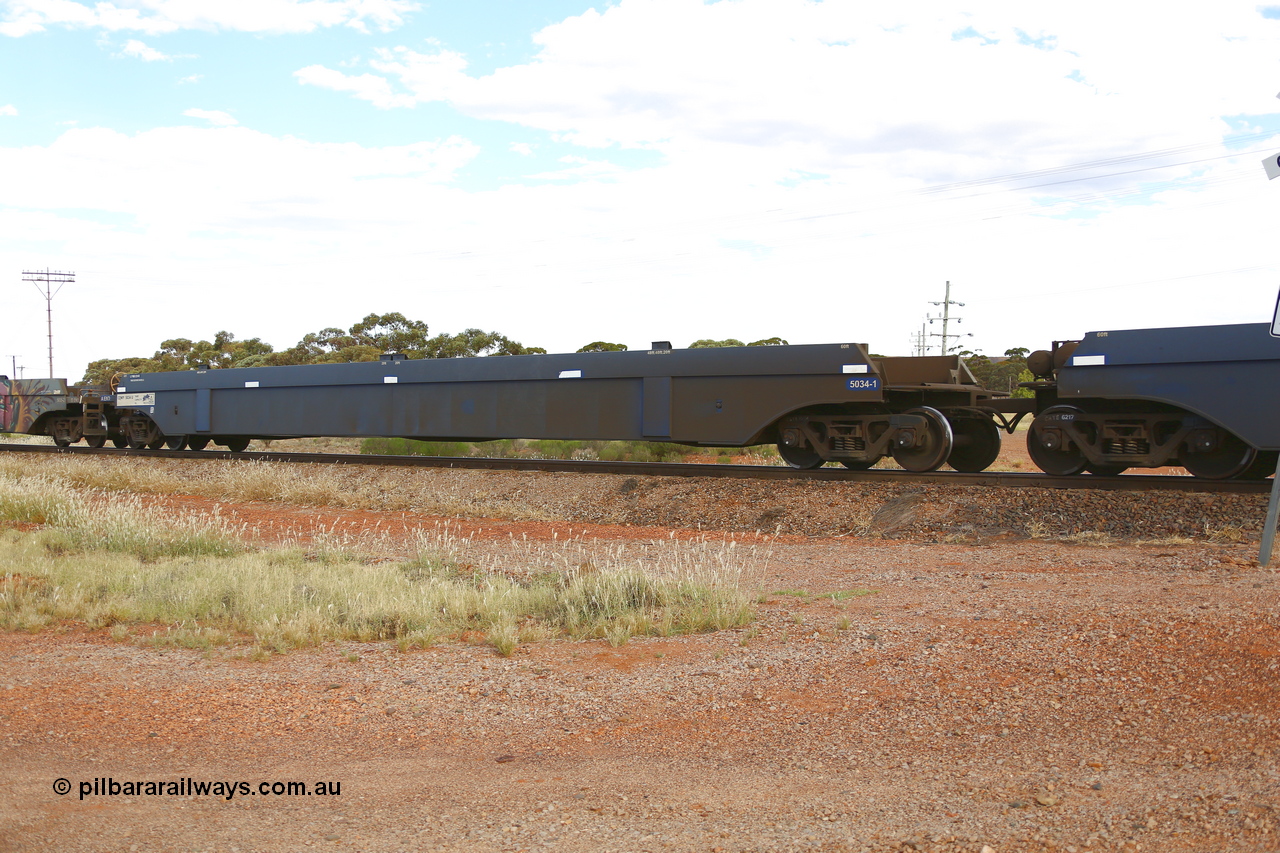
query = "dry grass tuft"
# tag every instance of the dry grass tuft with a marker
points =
(102, 559)
(339, 486)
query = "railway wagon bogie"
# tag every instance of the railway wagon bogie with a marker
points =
(920, 438)
(932, 412)
(1067, 439)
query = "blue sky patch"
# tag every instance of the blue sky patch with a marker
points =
(750, 247)
(1041, 42)
(799, 176)
(971, 33)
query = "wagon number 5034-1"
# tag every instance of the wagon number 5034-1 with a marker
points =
(865, 383)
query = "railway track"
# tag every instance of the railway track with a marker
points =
(1125, 482)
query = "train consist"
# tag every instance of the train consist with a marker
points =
(1200, 397)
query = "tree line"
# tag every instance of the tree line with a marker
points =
(376, 334)
(366, 340)
(1001, 374)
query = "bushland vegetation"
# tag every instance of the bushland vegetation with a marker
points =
(1001, 373)
(365, 340)
(74, 554)
(376, 334)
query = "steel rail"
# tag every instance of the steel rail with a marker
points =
(1000, 479)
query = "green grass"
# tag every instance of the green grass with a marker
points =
(109, 562)
(409, 447)
(289, 599)
(77, 522)
(843, 594)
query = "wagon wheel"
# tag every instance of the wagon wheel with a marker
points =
(1054, 457)
(1264, 465)
(175, 442)
(119, 441)
(800, 457)
(62, 442)
(977, 444)
(197, 442)
(932, 444)
(95, 440)
(1230, 458)
(236, 445)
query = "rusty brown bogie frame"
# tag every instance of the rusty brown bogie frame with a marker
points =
(1131, 439)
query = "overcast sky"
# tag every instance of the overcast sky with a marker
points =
(564, 172)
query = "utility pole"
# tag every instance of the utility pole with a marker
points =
(946, 319)
(1272, 165)
(13, 360)
(48, 283)
(921, 342)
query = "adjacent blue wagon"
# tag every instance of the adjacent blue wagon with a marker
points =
(1203, 397)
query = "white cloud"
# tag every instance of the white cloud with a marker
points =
(426, 77)
(217, 118)
(825, 87)
(189, 178)
(581, 168)
(367, 87)
(24, 17)
(173, 213)
(281, 236)
(138, 50)
(8, 110)
(438, 76)
(804, 170)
